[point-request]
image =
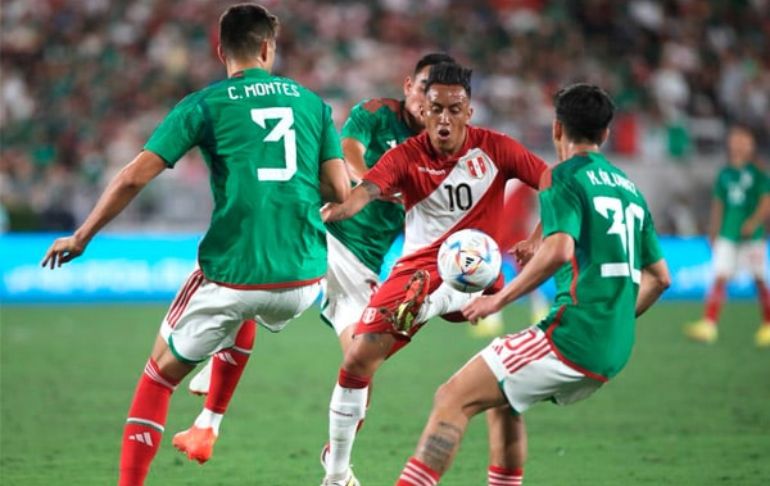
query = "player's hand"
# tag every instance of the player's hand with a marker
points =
(62, 251)
(481, 307)
(330, 212)
(748, 228)
(523, 251)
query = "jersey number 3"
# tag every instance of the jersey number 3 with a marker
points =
(623, 224)
(282, 130)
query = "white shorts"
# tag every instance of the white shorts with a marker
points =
(205, 316)
(529, 371)
(730, 256)
(349, 285)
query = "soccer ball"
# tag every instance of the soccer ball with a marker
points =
(469, 260)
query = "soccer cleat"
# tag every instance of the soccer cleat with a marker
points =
(762, 337)
(702, 331)
(348, 480)
(416, 292)
(490, 326)
(196, 443)
(199, 385)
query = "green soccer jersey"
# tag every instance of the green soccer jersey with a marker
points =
(379, 125)
(264, 139)
(592, 320)
(740, 190)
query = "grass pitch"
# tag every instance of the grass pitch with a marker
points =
(680, 413)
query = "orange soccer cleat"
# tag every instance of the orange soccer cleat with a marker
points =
(196, 443)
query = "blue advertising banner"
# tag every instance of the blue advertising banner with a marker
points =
(150, 267)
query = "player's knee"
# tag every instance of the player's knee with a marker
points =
(446, 398)
(362, 360)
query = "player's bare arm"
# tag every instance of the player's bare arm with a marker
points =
(556, 250)
(362, 195)
(354, 157)
(655, 280)
(758, 218)
(524, 250)
(121, 191)
(334, 181)
(715, 219)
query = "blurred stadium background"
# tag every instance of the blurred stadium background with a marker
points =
(85, 82)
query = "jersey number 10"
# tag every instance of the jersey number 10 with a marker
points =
(282, 130)
(623, 225)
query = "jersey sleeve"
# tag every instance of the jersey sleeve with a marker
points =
(651, 251)
(519, 162)
(388, 171)
(360, 125)
(181, 130)
(330, 141)
(719, 191)
(560, 208)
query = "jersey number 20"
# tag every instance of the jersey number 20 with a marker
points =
(282, 130)
(623, 224)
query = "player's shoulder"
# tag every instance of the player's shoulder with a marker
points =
(564, 173)
(375, 105)
(482, 136)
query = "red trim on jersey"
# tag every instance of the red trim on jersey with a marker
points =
(273, 286)
(573, 285)
(375, 104)
(576, 367)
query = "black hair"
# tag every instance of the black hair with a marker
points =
(449, 73)
(243, 28)
(584, 111)
(432, 59)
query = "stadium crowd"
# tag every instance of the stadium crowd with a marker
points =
(84, 83)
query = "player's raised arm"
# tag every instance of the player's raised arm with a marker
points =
(354, 152)
(120, 191)
(362, 195)
(556, 250)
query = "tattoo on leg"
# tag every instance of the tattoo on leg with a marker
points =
(372, 338)
(438, 448)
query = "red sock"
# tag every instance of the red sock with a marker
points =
(764, 301)
(145, 423)
(714, 302)
(415, 473)
(503, 476)
(228, 367)
(349, 380)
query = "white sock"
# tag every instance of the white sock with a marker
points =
(443, 300)
(346, 410)
(207, 419)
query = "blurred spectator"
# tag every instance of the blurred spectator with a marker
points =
(84, 83)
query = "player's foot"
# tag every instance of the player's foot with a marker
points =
(702, 331)
(348, 480)
(196, 443)
(762, 337)
(416, 292)
(199, 385)
(325, 455)
(488, 327)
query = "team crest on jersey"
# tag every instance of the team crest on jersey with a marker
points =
(370, 313)
(477, 166)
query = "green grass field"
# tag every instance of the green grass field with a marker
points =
(679, 414)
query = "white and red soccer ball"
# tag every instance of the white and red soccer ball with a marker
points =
(469, 260)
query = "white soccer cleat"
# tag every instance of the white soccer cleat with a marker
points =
(199, 385)
(348, 480)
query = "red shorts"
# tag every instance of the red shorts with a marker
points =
(392, 292)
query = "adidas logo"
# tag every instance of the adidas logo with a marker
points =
(143, 438)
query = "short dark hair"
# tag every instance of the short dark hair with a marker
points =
(449, 73)
(584, 111)
(432, 59)
(243, 28)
